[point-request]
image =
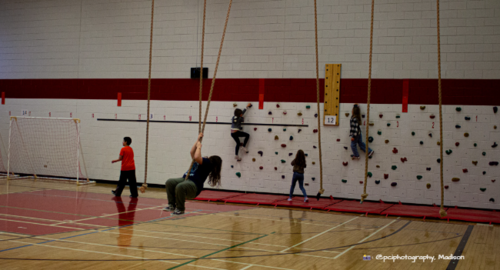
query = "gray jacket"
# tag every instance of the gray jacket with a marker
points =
(237, 120)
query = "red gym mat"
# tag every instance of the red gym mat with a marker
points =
(356, 207)
(213, 195)
(413, 211)
(313, 203)
(473, 215)
(256, 199)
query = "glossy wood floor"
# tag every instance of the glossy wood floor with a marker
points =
(253, 238)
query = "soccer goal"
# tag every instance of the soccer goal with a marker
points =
(45, 148)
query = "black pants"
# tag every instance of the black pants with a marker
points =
(236, 136)
(132, 182)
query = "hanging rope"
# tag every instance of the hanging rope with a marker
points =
(364, 195)
(321, 190)
(213, 80)
(442, 212)
(201, 65)
(145, 185)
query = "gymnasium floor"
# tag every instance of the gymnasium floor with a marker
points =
(53, 225)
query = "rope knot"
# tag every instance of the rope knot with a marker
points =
(442, 212)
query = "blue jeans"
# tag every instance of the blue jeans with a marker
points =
(298, 177)
(362, 146)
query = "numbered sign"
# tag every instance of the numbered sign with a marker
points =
(24, 112)
(330, 120)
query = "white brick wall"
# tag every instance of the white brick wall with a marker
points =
(265, 39)
(170, 145)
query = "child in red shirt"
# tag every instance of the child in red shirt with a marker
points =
(127, 171)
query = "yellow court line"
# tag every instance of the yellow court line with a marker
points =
(345, 251)
(309, 239)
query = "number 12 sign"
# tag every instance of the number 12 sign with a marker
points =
(330, 120)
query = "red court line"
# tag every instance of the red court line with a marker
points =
(312, 204)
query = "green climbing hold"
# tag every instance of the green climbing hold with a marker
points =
(370, 139)
(369, 174)
(484, 153)
(419, 177)
(421, 142)
(388, 124)
(394, 167)
(398, 116)
(458, 109)
(467, 118)
(308, 106)
(269, 129)
(284, 129)
(413, 133)
(344, 181)
(379, 132)
(238, 174)
(439, 160)
(283, 161)
(448, 152)
(276, 153)
(377, 182)
(291, 138)
(483, 189)
(475, 145)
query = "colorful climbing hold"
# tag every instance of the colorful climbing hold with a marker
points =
(495, 127)
(484, 153)
(446, 187)
(475, 144)
(338, 140)
(419, 177)
(458, 109)
(465, 170)
(314, 146)
(290, 154)
(370, 139)
(278, 105)
(403, 159)
(494, 163)
(428, 185)
(457, 126)
(345, 147)
(275, 168)
(379, 132)
(346, 114)
(344, 181)
(495, 109)
(378, 166)
(386, 176)
(430, 134)
(494, 145)
(299, 130)
(313, 163)
(235, 105)
(313, 178)
(438, 143)
(448, 152)
(232, 166)
(466, 135)
(238, 174)
(439, 160)
(484, 172)
(474, 162)
(377, 182)
(482, 189)
(284, 129)
(388, 124)
(283, 145)
(345, 163)
(386, 141)
(291, 138)
(398, 116)
(467, 118)
(283, 161)
(369, 174)
(269, 129)
(261, 167)
(282, 177)
(315, 131)
(276, 138)
(492, 200)
(395, 150)
(254, 129)
(253, 159)
(270, 113)
(455, 179)
(413, 133)
(394, 167)
(284, 112)
(422, 108)
(371, 124)
(428, 169)
(432, 116)
(393, 184)
(299, 113)
(421, 142)
(276, 153)
(493, 180)
(260, 153)
(315, 115)
(306, 154)
(362, 116)
(308, 107)
(361, 182)
(380, 115)
(457, 144)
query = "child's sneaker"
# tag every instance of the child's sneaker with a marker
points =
(306, 199)
(289, 199)
(237, 158)
(355, 158)
(178, 212)
(244, 149)
(371, 153)
(169, 207)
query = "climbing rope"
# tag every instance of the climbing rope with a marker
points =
(201, 65)
(442, 212)
(364, 195)
(145, 185)
(213, 80)
(321, 190)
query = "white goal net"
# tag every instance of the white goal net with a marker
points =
(45, 147)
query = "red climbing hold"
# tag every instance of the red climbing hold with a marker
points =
(493, 180)
(465, 170)
(361, 182)
(432, 116)
(275, 168)
(261, 167)
(380, 115)
(395, 151)
(457, 144)
(277, 105)
(255, 129)
(386, 176)
(338, 140)
(315, 131)
(404, 159)
(283, 145)
(446, 187)
(345, 163)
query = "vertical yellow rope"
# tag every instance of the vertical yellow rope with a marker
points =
(144, 185)
(201, 65)
(442, 212)
(321, 190)
(213, 80)
(364, 195)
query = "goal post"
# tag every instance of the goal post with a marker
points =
(45, 147)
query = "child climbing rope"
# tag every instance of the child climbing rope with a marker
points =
(299, 163)
(179, 190)
(236, 130)
(127, 171)
(355, 134)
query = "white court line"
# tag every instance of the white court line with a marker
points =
(307, 223)
(106, 253)
(246, 267)
(28, 222)
(485, 224)
(309, 239)
(366, 238)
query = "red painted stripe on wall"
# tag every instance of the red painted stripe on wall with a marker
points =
(406, 89)
(262, 84)
(384, 91)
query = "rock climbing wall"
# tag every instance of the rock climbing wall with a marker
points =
(405, 166)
